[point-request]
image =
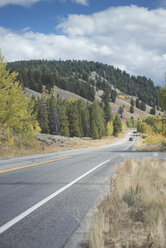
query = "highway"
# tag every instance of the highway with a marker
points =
(44, 199)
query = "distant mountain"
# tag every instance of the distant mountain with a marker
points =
(84, 79)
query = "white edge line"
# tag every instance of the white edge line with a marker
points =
(128, 147)
(39, 204)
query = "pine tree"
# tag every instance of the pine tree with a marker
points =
(143, 106)
(120, 110)
(132, 101)
(74, 121)
(85, 119)
(107, 112)
(153, 110)
(138, 104)
(62, 112)
(113, 95)
(97, 121)
(42, 114)
(16, 119)
(117, 124)
(131, 109)
(53, 116)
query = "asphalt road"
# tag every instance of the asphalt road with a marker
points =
(44, 199)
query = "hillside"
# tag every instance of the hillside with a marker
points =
(64, 94)
(121, 100)
(84, 79)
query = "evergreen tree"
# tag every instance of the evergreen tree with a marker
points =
(117, 124)
(132, 102)
(107, 112)
(85, 118)
(131, 109)
(97, 122)
(143, 106)
(42, 114)
(113, 95)
(120, 110)
(53, 117)
(153, 110)
(74, 121)
(62, 112)
(138, 104)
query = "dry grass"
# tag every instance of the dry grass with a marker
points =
(11, 151)
(134, 215)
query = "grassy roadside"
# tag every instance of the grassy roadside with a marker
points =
(151, 143)
(134, 214)
(42, 147)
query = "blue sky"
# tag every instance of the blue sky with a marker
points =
(126, 34)
(43, 16)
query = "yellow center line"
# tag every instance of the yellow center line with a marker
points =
(30, 165)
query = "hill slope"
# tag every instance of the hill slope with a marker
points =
(121, 100)
(84, 78)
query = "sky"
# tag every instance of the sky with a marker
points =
(130, 35)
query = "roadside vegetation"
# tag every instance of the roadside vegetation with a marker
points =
(153, 128)
(21, 118)
(134, 214)
(153, 133)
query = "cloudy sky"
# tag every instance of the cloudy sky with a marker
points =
(127, 34)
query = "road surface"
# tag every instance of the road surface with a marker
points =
(44, 199)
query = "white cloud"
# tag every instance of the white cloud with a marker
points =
(30, 2)
(18, 2)
(29, 45)
(83, 2)
(130, 38)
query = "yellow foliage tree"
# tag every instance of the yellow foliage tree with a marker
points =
(110, 128)
(37, 127)
(71, 100)
(16, 119)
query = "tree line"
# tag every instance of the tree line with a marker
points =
(76, 118)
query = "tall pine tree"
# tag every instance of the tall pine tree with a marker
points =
(97, 121)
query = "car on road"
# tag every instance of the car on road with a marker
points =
(130, 139)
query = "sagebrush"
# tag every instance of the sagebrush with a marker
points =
(134, 215)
